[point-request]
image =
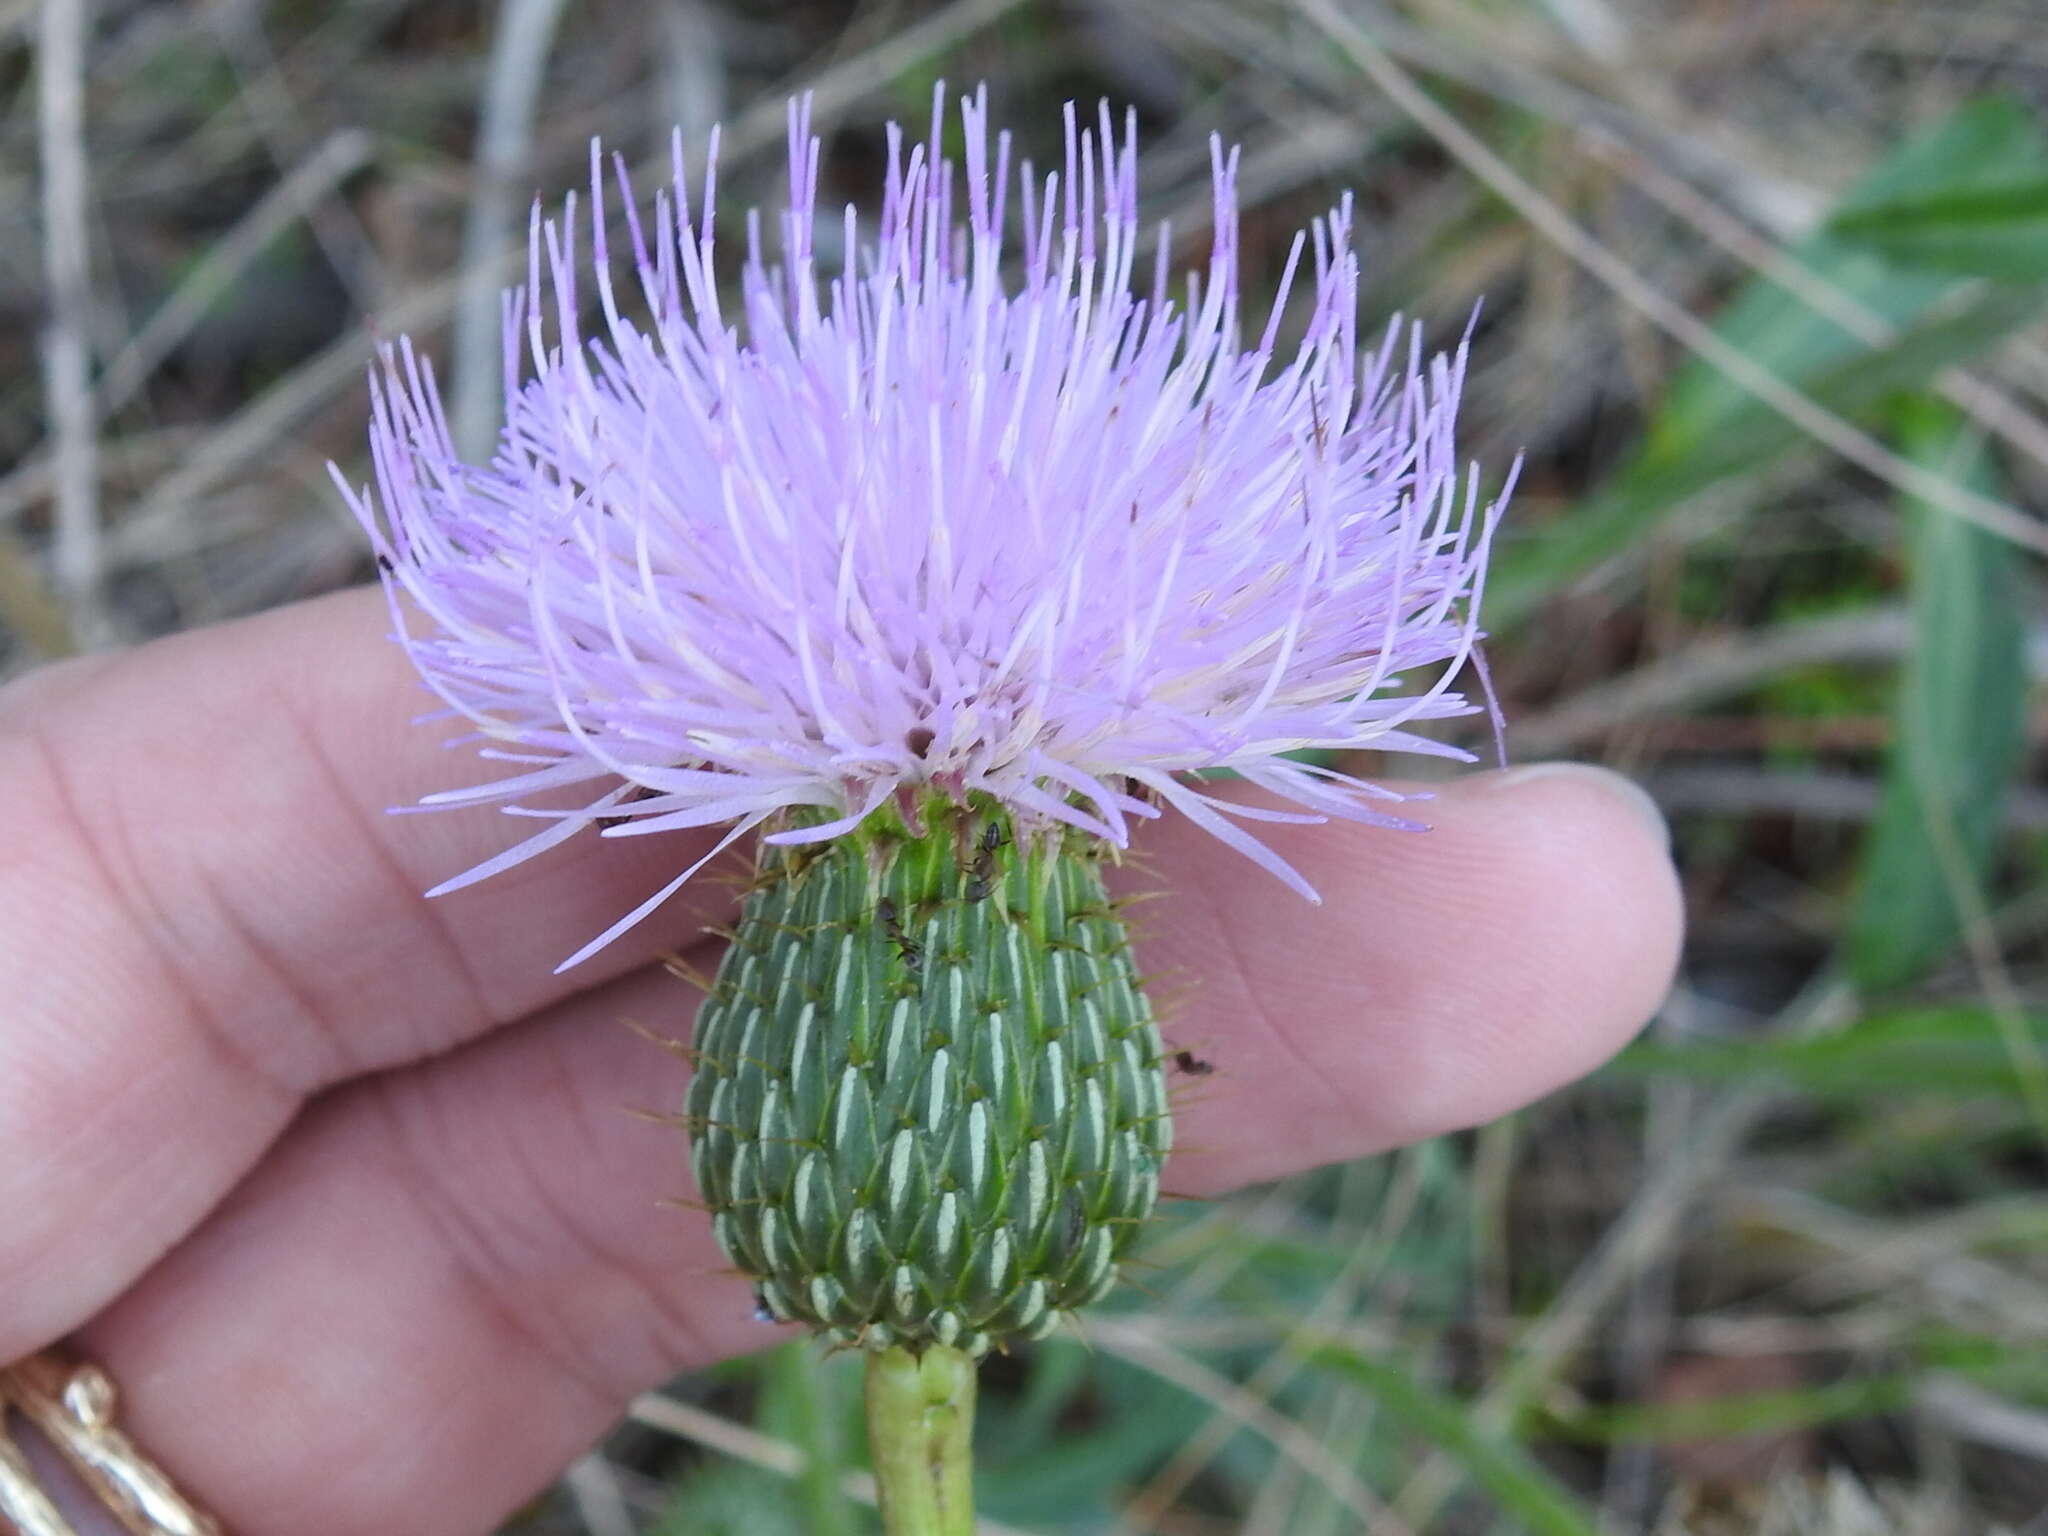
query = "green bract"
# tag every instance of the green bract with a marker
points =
(929, 1104)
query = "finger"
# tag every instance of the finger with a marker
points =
(441, 1286)
(1446, 978)
(206, 913)
(449, 1279)
(227, 792)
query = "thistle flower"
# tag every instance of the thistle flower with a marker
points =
(939, 564)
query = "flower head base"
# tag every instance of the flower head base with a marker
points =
(907, 523)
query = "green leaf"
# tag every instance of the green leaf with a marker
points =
(1515, 1479)
(1947, 1051)
(1995, 232)
(1710, 429)
(729, 1498)
(1693, 450)
(1959, 724)
(1122, 1422)
(1055, 1376)
(1988, 1359)
(1737, 1413)
(1982, 210)
(815, 1404)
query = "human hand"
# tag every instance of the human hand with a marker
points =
(339, 1183)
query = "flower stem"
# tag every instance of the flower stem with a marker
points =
(920, 1436)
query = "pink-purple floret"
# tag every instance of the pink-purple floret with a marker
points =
(918, 521)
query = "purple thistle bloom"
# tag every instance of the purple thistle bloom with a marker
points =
(916, 523)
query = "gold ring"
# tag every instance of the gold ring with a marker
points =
(72, 1404)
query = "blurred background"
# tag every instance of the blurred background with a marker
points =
(1764, 284)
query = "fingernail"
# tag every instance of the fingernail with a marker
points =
(1627, 791)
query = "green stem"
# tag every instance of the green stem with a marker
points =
(921, 1436)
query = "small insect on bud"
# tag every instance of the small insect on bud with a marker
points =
(981, 875)
(1192, 1065)
(908, 950)
(763, 1313)
(640, 792)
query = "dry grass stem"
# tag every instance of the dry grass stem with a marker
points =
(67, 338)
(523, 36)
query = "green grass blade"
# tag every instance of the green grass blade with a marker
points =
(1737, 1413)
(814, 1404)
(1982, 213)
(1683, 458)
(1998, 232)
(1958, 1051)
(1515, 1480)
(1960, 726)
(1710, 429)
(1134, 1420)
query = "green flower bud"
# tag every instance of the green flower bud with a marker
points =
(929, 1105)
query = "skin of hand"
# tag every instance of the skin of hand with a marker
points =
(341, 1183)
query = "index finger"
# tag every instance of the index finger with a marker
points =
(206, 915)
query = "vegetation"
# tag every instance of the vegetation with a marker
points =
(1764, 288)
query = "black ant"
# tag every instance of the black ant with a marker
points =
(640, 792)
(908, 950)
(981, 875)
(1192, 1064)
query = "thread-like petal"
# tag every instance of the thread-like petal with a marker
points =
(913, 524)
